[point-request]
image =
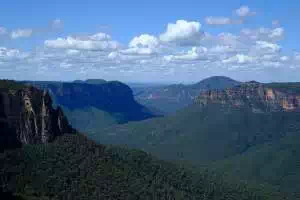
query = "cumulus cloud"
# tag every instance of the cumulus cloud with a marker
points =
(183, 48)
(183, 33)
(96, 42)
(142, 45)
(244, 11)
(144, 40)
(19, 33)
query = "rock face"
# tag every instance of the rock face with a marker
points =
(260, 97)
(112, 97)
(27, 117)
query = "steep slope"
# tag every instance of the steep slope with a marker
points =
(276, 163)
(102, 104)
(171, 98)
(250, 131)
(27, 116)
(74, 167)
(57, 165)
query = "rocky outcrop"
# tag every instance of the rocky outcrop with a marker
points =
(27, 117)
(260, 97)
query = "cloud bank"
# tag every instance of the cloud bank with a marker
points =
(182, 51)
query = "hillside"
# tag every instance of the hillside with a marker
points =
(74, 167)
(222, 125)
(55, 162)
(276, 163)
(171, 98)
(102, 104)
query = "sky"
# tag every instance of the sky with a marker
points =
(150, 41)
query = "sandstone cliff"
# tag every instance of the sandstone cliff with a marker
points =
(27, 117)
(260, 97)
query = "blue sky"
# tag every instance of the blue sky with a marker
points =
(150, 41)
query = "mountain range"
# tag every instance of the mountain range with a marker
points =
(57, 162)
(95, 103)
(245, 130)
(170, 98)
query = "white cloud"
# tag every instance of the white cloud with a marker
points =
(217, 20)
(6, 54)
(142, 45)
(244, 11)
(239, 59)
(144, 40)
(183, 33)
(100, 37)
(184, 49)
(72, 51)
(276, 33)
(263, 34)
(97, 42)
(267, 46)
(138, 51)
(229, 39)
(19, 33)
(221, 21)
(284, 58)
(220, 49)
(196, 53)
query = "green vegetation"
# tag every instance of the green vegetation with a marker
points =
(277, 163)
(74, 167)
(90, 119)
(203, 134)
(260, 147)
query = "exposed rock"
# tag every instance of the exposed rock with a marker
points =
(27, 117)
(261, 97)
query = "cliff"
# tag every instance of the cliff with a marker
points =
(260, 97)
(171, 98)
(27, 116)
(112, 97)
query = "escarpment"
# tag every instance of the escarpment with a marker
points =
(260, 97)
(27, 117)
